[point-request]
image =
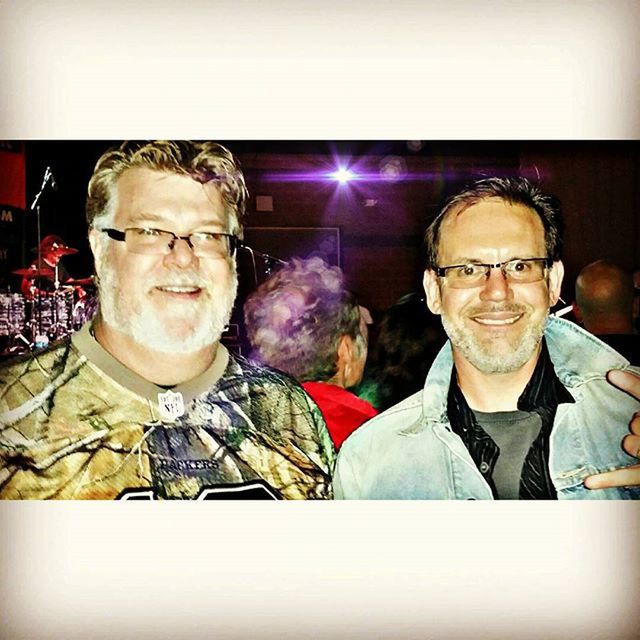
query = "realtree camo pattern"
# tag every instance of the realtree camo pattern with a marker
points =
(67, 430)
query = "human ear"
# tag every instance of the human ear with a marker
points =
(556, 274)
(347, 350)
(94, 242)
(432, 291)
(577, 312)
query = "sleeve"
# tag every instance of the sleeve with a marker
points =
(327, 450)
(290, 423)
(345, 479)
(312, 435)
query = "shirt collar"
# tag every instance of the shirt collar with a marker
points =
(543, 390)
(87, 345)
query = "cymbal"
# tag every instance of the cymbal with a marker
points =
(79, 282)
(34, 272)
(56, 250)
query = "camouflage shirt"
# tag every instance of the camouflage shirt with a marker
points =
(76, 423)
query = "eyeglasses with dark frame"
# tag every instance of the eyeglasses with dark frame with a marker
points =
(152, 242)
(474, 274)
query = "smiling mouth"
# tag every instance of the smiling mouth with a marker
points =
(498, 319)
(181, 289)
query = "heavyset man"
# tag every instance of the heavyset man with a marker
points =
(145, 401)
(517, 405)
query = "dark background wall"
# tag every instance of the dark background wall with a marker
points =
(382, 216)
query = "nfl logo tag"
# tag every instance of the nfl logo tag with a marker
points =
(171, 405)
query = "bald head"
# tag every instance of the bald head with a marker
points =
(604, 298)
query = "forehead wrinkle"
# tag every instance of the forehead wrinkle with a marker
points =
(456, 212)
(164, 221)
(150, 217)
(516, 256)
(527, 228)
(166, 207)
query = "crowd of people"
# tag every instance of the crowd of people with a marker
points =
(408, 339)
(495, 399)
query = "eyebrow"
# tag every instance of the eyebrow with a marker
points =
(150, 217)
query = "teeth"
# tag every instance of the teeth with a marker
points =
(180, 289)
(496, 322)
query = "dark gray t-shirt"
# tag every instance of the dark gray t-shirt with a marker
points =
(514, 433)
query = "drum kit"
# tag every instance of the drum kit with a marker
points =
(47, 309)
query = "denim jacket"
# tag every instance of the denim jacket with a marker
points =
(410, 451)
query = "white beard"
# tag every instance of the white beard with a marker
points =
(206, 321)
(489, 357)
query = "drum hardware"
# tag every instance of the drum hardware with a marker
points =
(53, 255)
(12, 323)
(12, 313)
(32, 319)
(32, 322)
(51, 317)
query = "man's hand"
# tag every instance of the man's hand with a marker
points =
(627, 476)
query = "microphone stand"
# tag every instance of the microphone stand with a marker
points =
(36, 205)
(270, 261)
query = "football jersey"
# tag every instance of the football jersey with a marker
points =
(76, 423)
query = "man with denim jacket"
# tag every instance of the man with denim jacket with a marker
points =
(516, 405)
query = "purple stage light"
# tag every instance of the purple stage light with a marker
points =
(343, 175)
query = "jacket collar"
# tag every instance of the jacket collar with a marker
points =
(577, 357)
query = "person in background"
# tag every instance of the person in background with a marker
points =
(604, 306)
(47, 267)
(409, 338)
(517, 404)
(144, 401)
(304, 321)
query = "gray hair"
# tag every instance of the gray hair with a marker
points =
(296, 318)
(202, 161)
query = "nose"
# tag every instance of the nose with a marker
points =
(181, 254)
(496, 287)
